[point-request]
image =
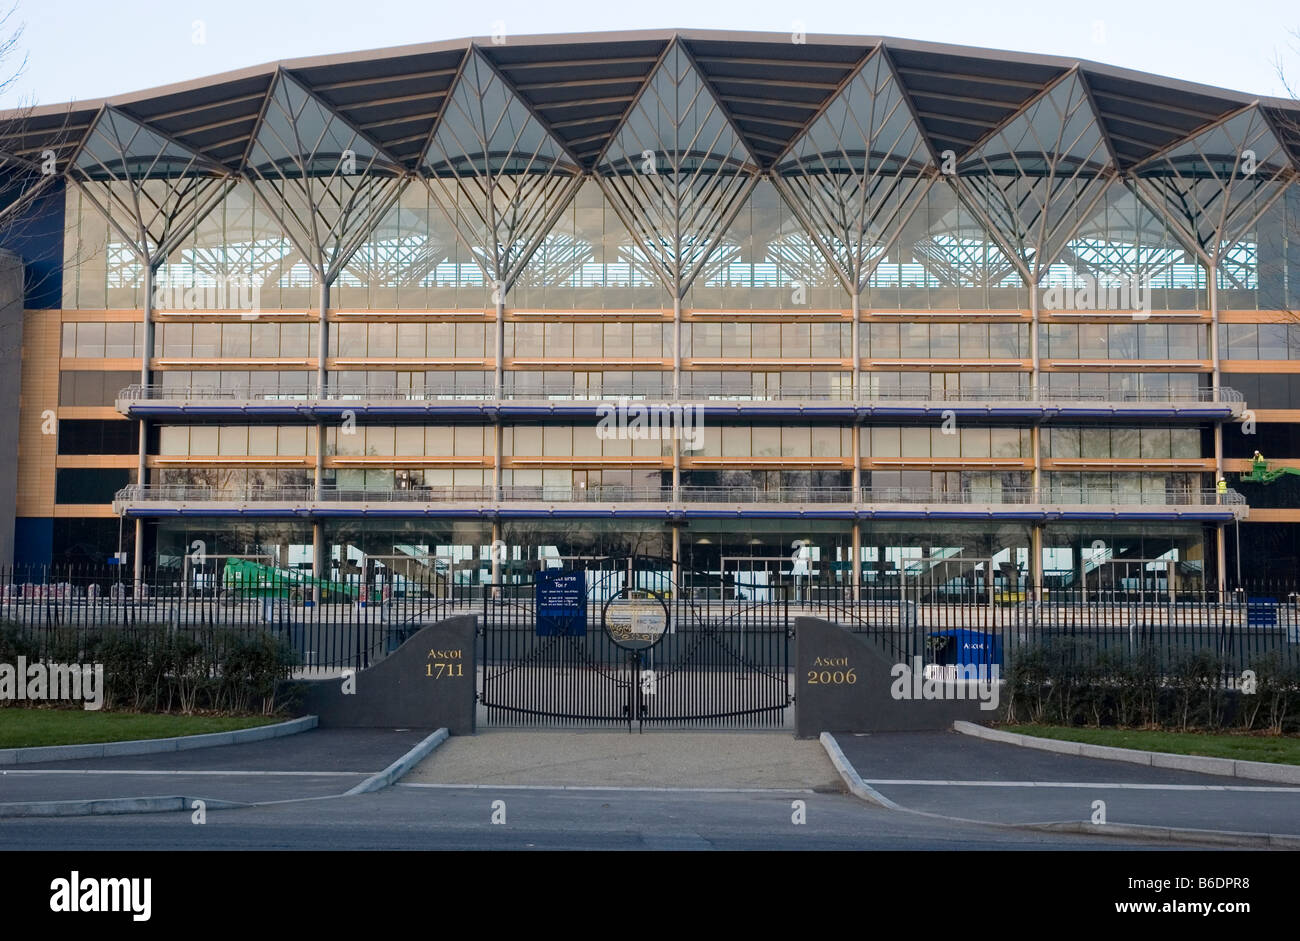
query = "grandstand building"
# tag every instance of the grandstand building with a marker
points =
(846, 307)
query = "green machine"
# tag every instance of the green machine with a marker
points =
(243, 579)
(1261, 474)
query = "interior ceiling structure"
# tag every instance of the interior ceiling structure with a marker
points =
(581, 87)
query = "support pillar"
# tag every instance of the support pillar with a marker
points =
(142, 457)
(1036, 561)
(322, 376)
(855, 438)
(1220, 556)
(317, 557)
(677, 557)
(497, 553)
(499, 296)
(856, 561)
(677, 347)
(677, 469)
(497, 475)
(1033, 339)
(855, 338)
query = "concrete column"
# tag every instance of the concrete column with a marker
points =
(856, 562)
(677, 557)
(1036, 561)
(142, 459)
(322, 377)
(677, 468)
(497, 435)
(1033, 339)
(677, 347)
(499, 295)
(1212, 284)
(1036, 445)
(317, 556)
(855, 439)
(496, 553)
(855, 335)
(322, 339)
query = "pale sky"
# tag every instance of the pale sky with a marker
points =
(86, 49)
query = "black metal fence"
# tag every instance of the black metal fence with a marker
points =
(349, 621)
(975, 624)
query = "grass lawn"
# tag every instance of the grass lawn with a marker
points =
(1244, 747)
(22, 728)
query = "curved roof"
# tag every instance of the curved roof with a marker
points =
(581, 86)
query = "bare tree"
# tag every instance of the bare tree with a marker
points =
(35, 146)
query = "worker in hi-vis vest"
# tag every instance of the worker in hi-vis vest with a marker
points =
(1221, 488)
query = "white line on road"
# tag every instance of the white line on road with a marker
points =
(307, 774)
(1082, 784)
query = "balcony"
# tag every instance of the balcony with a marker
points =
(1041, 505)
(531, 403)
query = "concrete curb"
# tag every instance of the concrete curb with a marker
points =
(1224, 767)
(112, 805)
(856, 785)
(397, 770)
(1174, 834)
(154, 746)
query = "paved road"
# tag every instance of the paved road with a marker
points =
(415, 817)
(317, 763)
(961, 776)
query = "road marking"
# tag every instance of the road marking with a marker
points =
(1084, 784)
(614, 787)
(308, 774)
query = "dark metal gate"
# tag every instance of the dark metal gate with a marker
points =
(724, 661)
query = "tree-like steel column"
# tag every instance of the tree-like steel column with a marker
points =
(153, 192)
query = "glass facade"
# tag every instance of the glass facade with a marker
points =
(862, 311)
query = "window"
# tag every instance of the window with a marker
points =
(974, 340)
(93, 387)
(89, 485)
(236, 340)
(558, 339)
(122, 340)
(884, 340)
(648, 340)
(93, 436)
(90, 339)
(914, 340)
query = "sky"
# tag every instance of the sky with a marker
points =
(90, 49)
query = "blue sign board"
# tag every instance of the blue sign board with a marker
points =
(561, 604)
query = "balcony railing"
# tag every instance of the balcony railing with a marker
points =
(1067, 496)
(690, 393)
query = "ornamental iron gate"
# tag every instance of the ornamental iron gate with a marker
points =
(621, 643)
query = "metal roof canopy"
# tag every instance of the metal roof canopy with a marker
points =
(582, 86)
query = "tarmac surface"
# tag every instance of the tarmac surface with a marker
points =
(960, 776)
(658, 790)
(315, 763)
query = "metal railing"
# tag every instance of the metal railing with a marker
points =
(935, 611)
(690, 392)
(1056, 495)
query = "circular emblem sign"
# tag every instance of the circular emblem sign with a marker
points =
(635, 620)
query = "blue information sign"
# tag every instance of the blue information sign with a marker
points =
(561, 604)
